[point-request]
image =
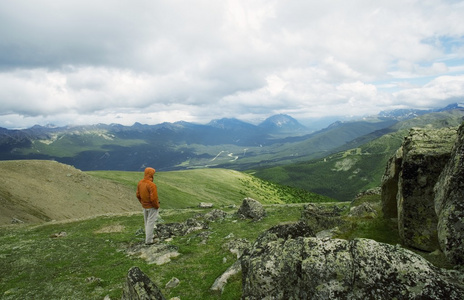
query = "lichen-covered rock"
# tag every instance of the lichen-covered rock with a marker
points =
(251, 209)
(138, 286)
(312, 268)
(321, 218)
(215, 214)
(363, 210)
(390, 185)
(165, 231)
(449, 204)
(425, 153)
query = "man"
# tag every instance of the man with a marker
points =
(147, 193)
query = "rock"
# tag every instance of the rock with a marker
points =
(172, 283)
(284, 232)
(16, 221)
(205, 205)
(215, 214)
(449, 204)
(59, 235)
(329, 233)
(363, 210)
(138, 286)
(93, 279)
(321, 218)
(221, 281)
(312, 268)
(237, 246)
(373, 191)
(424, 154)
(158, 254)
(165, 231)
(251, 209)
(390, 185)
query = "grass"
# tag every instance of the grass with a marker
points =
(36, 266)
(186, 189)
(90, 263)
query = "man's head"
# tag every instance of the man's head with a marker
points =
(149, 172)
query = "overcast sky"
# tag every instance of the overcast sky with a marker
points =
(102, 61)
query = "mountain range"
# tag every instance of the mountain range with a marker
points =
(273, 149)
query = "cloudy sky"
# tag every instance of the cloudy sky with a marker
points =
(102, 61)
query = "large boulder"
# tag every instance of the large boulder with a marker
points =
(280, 266)
(251, 209)
(425, 152)
(449, 204)
(320, 218)
(390, 185)
(138, 286)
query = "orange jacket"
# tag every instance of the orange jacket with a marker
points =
(147, 192)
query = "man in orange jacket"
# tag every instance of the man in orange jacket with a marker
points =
(147, 193)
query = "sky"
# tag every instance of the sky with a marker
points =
(112, 61)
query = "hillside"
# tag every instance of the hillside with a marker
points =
(357, 165)
(225, 143)
(37, 191)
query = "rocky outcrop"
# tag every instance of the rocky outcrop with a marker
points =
(251, 209)
(390, 185)
(449, 204)
(413, 172)
(319, 218)
(165, 231)
(363, 210)
(288, 266)
(138, 286)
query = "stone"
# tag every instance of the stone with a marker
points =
(363, 210)
(425, 153)
(16, 221)
(158, 254)
(237, 246)
(251, 209)
(320, 218)
(449, 203)
(389, 185)
(59, 235)
(205, 205)
(168, 230)
(172, 283)
(412, 173)
(312, 268)
(138, 286)
(215, 214)
(221, 281)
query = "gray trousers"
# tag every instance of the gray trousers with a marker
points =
(150, 215)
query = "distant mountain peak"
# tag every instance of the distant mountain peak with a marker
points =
(282, 122)
(229, 123)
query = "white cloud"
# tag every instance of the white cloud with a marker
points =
(204, 59)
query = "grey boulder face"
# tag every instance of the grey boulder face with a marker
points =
(280, 266)
(251, 209)
(449, 204)
(408, 185)
(139, 286)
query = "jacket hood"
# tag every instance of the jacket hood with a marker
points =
(149, 172)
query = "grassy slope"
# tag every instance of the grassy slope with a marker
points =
(184, 189)
(36, 266)
(54, 191)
